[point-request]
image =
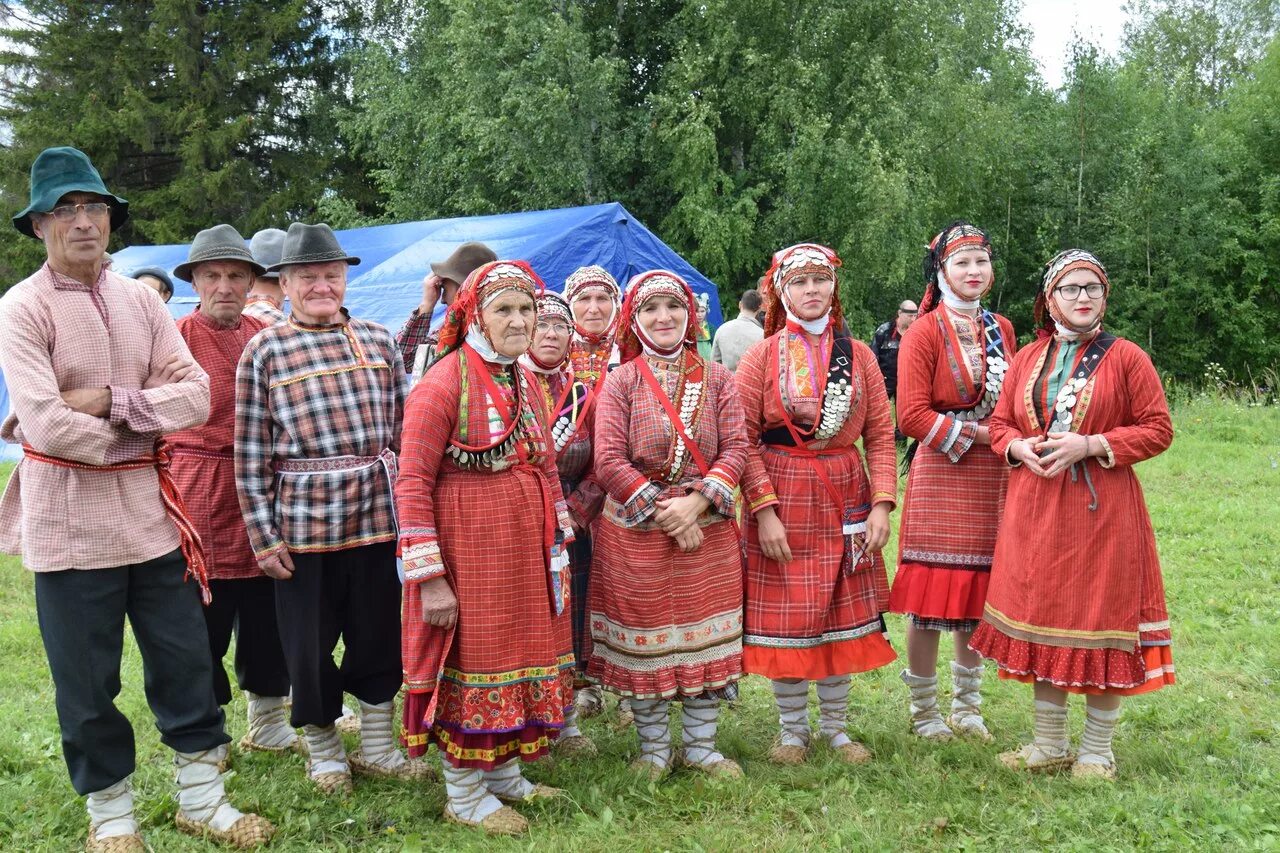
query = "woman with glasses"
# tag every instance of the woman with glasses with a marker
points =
(1076, 603)
(951, 368)
(815, 584)
(566, 399)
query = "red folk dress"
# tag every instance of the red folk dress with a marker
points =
(1077, 596)
(955, 489)
(665, 623)
(503, 677)
(203, 465)
(820, 614)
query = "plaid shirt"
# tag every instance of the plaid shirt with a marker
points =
(317, 392)
(416, 332)
(262, 308)
(57, 334)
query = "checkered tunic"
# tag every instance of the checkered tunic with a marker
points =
(261, 308)
(317, 392)
(58, 334)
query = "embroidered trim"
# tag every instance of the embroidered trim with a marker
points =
(826, 638)
(913, 555)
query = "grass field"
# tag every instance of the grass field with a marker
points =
(1199, 762)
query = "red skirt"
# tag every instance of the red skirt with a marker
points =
(809, 619)
(663, 622)
(507, 677)
(951, 512)
(1088, 671)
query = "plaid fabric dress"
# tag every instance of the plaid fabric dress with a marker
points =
(503, 677)
(955, 489)
(665, 623)
(1077, 595)
(810, 618)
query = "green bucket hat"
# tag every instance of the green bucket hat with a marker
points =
(58, 171)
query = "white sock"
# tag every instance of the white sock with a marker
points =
(653, 729)
(201, 796)
(699, 717)
(833, 707)
(325, 747)
(1051, 729)
(1095, 744)
(793, 712)
(571, 723)
(267, 725)
(111, 810)
(508, 781)
(377, 745)
(468, 798)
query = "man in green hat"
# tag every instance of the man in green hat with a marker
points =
(97, 373)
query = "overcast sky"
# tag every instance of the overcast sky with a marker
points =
(1052, 22)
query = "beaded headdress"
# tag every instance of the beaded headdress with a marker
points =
(1046, 311)
(955, 238)
(640, 290)
(485, 284)
(794, 262)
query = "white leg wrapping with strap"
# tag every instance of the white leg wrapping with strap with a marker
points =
(700, 718)
(652, 727)
(793, 712)
(966, 700)
(507, 781)
(926, 720)
(325, 747)
(111, 810)
(571, 723)
(1051, 729)
(833, 709)
(1099, 728)
(201, 796)
(377, 738)
(469, 799)
(267, 725)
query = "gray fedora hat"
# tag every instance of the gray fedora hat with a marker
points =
(465, 259)
(267, 246)
(219, 243)
(157, 273)
(310, 244)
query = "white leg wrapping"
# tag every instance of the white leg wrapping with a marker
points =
(833, 710)
(700, 717)
(966, 700)
(793, 712)
(926, 720)
(111, 810)
(468, 797)
(507, 781)
(1099, 728)
(651, 726)
(267, 725)
(325, 747)
(571, 723)
(1051, 729)
(377, 738)
(201, 797)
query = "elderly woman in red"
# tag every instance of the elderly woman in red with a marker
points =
(666, 597)
(487, 647)
(951, 366)
(815, 581)
(568, 403)
(1076, 603)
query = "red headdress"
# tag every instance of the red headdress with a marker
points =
(792, 262)
(551, 307)
(956, 237)
(594, 278)
(640, 290)
(1046, 311)
(486, 283)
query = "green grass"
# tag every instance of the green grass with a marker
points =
(1199, 762)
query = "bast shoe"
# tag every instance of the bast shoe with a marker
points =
(505, 821)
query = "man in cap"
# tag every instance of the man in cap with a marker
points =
(156, 279)
(884, 343)
(319, 403)
(416, 340)
(221, 270)
(266, 297)
(97, 373)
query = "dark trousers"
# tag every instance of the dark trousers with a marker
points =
(81, 614)
(353, 594)
(246, 607)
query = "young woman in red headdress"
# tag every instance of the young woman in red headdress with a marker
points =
(1076, 603)
(815, 583)
(487, 645)
(951, 366)
(666, 580)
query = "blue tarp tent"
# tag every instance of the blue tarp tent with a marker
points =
(387, 283)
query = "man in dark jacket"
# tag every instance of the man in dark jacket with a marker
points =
(885, 344)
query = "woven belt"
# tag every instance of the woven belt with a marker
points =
(331, 464)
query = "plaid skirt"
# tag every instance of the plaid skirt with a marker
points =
(810, 619)
(507, 676)
(950, 516)
(665, 623)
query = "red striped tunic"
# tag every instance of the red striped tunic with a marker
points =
(1077, 596)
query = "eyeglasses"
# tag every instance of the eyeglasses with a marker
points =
(69, 212)
(544, 326)
(1072, 291)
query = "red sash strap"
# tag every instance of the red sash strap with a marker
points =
(804, 451)
(189, 537)
(673, 416)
